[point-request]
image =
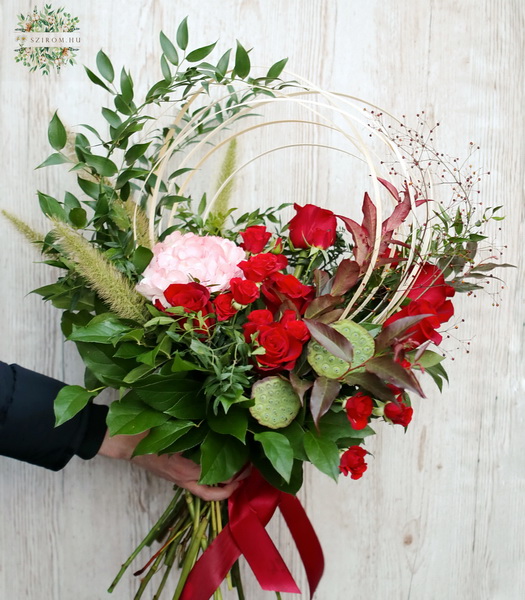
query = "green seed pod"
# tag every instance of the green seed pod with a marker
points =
(326, 364)
(276, 402)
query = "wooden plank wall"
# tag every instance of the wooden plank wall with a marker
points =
(438, 515)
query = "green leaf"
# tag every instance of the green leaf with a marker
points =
(96, 79)
(190, 439)
(234, 423)
(242, 61)
(70, 400)
(103, 166)
(222, 65)
(57, 158)
(141, 258)
(162, 436)
(165, 68)
(137, 374)
(78, 217)
(102, 329)
(56, 133)
(104, 66)
(70, 201)
(278, 451)
(126, 86)
(111, 117)
(179, 365)
(135, 152)
(276, 69)
(427, 359)
(51, 207)
(200, 53)
(182, 34)
(177, 396)
(323, 454)
(98, 359)
(169, 49)
(130, 416)
(335, 426)
(221, 458)
(90, 188)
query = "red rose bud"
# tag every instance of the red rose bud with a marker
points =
(193, 297)
(255, 238)
(278, 246)
(223, 306)
(259, 267)
(312, 226)
(353, 462)
(358, 410)
(244, 291)
(399, 414)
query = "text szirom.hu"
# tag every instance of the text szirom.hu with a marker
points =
(47, 40)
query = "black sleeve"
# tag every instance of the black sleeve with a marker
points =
(27, 430)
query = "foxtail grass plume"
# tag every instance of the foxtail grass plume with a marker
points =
(28, 232)
(221, 205)
(101, 275)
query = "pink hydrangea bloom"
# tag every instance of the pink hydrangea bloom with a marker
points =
(185, 257)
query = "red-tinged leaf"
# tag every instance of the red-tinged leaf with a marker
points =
(393, 191)
(362, 244)
(372, 384)
(398, 216)
(287, 304)
(321, 305)
(332, 340)
(394, 330)
(369, 216)
(300, 386)
(387, 369)
(331, 317)
(346, 276)
(324, 392)
(321, 280)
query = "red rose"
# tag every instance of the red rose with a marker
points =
(428, 296)
(399, 413)
(279, 287)
(255, 319)
(282, 349)
(353, 462)
(295, 327)
(193, 297)
(259, 267)
(358, 409)
(223, 306)
(244, 291)
(255, 238)
(312, 226)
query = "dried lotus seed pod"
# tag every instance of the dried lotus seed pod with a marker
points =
(276, 402)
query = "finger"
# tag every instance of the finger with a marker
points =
(209, 493)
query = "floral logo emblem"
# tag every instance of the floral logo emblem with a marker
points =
(46, 39)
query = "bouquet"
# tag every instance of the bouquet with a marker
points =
(257, 341)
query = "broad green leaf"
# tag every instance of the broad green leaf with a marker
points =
(102, 329)
(98, 359)
(111, 117)
(182, 34)
(162, 436)
(56, 133)
(179, 365)
(128, 350)
(169, 49)
(200, 53)
(56, 158)
(104, 66)
(90, 188)
(126, 86)
(70, 201)
(242, 61)
(276, 69)
(193, 437)
(130, 416)
(165, 68)
(78, 217)
(70, 400)
(180, 397)
(141, 258)
(234, 423)
(427, 359)
(51, 207)
(135, 152)
(103, 166)
(279, 452)
(222, 65)
(137, 374)
(336, 426)
(323, 454)
(221, 458)
(96, 79)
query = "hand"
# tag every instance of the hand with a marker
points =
(173, 467)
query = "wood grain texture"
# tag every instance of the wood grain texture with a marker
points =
(438, 513)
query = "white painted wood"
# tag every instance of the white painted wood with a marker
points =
(438, 513)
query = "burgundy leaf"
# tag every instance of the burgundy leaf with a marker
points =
(324, 392)
(387, 369)
(300, 386)
(330, 317)
(369, 216)
(346, 276)
(332, 340)
(322, 304)
(361, 241)
(398, 216)
(371, 383)
(393, 191)
(394, 330)
(321, 280)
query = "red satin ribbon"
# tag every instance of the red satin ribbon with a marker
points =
(250, 509)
